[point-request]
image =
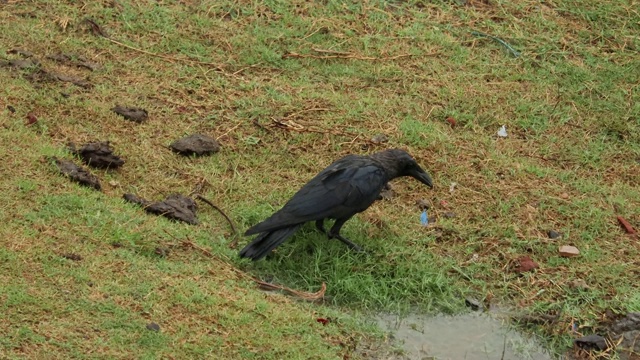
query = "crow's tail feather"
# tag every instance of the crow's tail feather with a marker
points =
(267, 241)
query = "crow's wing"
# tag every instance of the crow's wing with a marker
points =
(344, 188)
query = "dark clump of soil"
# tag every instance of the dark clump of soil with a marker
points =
(423, 204)
(29, 61)
(622, 334)
(176, 207)
(196, 144)
(131, 113)
(625, 333)
(71, 60)
(161, 251)
(21, 63)
(592, 342)
(21, 52)
(77, 173)
(630, 322)
(72, 256)
(39, 73)
(66, 78)
(553, 234)
(98, 155)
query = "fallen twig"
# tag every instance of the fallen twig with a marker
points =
(341, 55)
(264, 285)
(300, 294)
(98, 31)
(332, 52)
(305, 111)
(513, 51)
(293, 126)
(233, 226)
(541, 157)
(170, 58)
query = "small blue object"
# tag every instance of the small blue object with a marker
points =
(424, 220)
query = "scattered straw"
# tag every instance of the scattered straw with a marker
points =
(99, 31)
(302, 295)
(342, 55)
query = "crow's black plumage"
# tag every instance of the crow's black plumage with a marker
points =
(346, 187)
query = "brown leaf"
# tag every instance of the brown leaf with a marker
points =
(451, 121)
(625, 224)
(524, 264)
(31, 119)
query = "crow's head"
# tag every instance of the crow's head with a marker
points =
(399, 163)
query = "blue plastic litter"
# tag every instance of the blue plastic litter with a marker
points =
(424, 219)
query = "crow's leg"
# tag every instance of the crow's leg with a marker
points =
(335, 233)
(320, 226)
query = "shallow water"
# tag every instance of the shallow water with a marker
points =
(474, 336)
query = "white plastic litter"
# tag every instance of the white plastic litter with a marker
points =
(503, 131)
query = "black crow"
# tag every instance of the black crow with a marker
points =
(346, 187)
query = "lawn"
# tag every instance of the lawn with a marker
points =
(286, 88)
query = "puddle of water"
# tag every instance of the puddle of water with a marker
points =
(474, 336)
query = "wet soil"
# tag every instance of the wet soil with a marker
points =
(470, 336)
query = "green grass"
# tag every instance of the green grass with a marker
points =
(229, 69)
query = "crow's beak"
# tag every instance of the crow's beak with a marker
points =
(421, 176)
